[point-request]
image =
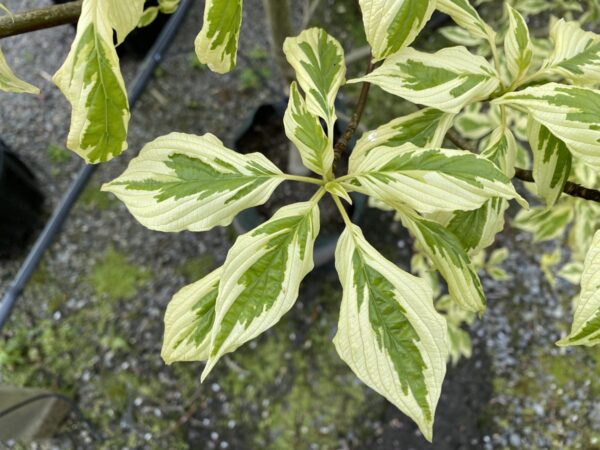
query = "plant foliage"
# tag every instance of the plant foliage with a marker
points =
(500, 88)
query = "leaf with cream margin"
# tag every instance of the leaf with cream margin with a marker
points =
(429, 179)
(396, 28)
(91, 80)
(545, 223)
(517, 45)
(304, 129)
(261, 277)
(124, 16)
(425, 128)
(189, 320)
(186, 182)
(551, 162)
(9, 82)
(388, 332)
(572, 114)
(449, 257)
(463, 13)
(485, 222)
(448, 80)
(586, 321)
(318, 60)
(217, 43)
(576, 54)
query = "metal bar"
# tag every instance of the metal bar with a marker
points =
(60, 214)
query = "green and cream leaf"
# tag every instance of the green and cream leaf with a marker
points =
(450, 258)
(429, 180)
(189, 320)
(261, 277)
(304, 129)
(91, 80)
(318, 60)
(576, 54)
(551, 162)
(424, 128)
(217, 43)
(186, 182)
(586, 322)
(124, 16)
(545, 223)
(502, 151)
(397, 27)
(9, 82)
(517, 45)
(389, 333)
(463, 13)
(572, 114)
(448, 80)
(482, 224)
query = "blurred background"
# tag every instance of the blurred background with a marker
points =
(89, 324)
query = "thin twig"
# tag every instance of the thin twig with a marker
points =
(343, 141)
(572, 189)
(38, 19)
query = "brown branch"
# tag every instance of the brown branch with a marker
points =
(343, 141)
(38, 19)
(572, 189)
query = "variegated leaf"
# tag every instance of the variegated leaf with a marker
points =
(463, 13)
(429, 180)
(517, 45)
(304, 129)
(449, 258)
(318, 60)
(424, 128)
(502, 151)
(186, 182)
(396, 28)
(189, 320)
(389, 332)
(477, 229)
(474, 124)
(460, 36)
(572, 272)
(9, 82)
(448, 80)
(585, 223)
(576, 54)
(91, 80)
(124, 16)
(217, 43)
(571, 113)
(545, 223)
(261, 277)
(551, 162)
(485, 222)
(586, 322)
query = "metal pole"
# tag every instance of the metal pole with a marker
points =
(60, 214)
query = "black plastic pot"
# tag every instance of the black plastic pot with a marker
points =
(140, 40)
(249, 219)
(21, 202)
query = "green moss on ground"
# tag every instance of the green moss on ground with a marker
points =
(115, 278)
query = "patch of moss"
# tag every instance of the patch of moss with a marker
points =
(93, 197)
(115, 278)
(58, 154)
(195, 268)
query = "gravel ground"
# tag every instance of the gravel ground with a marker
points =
(97, 338)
